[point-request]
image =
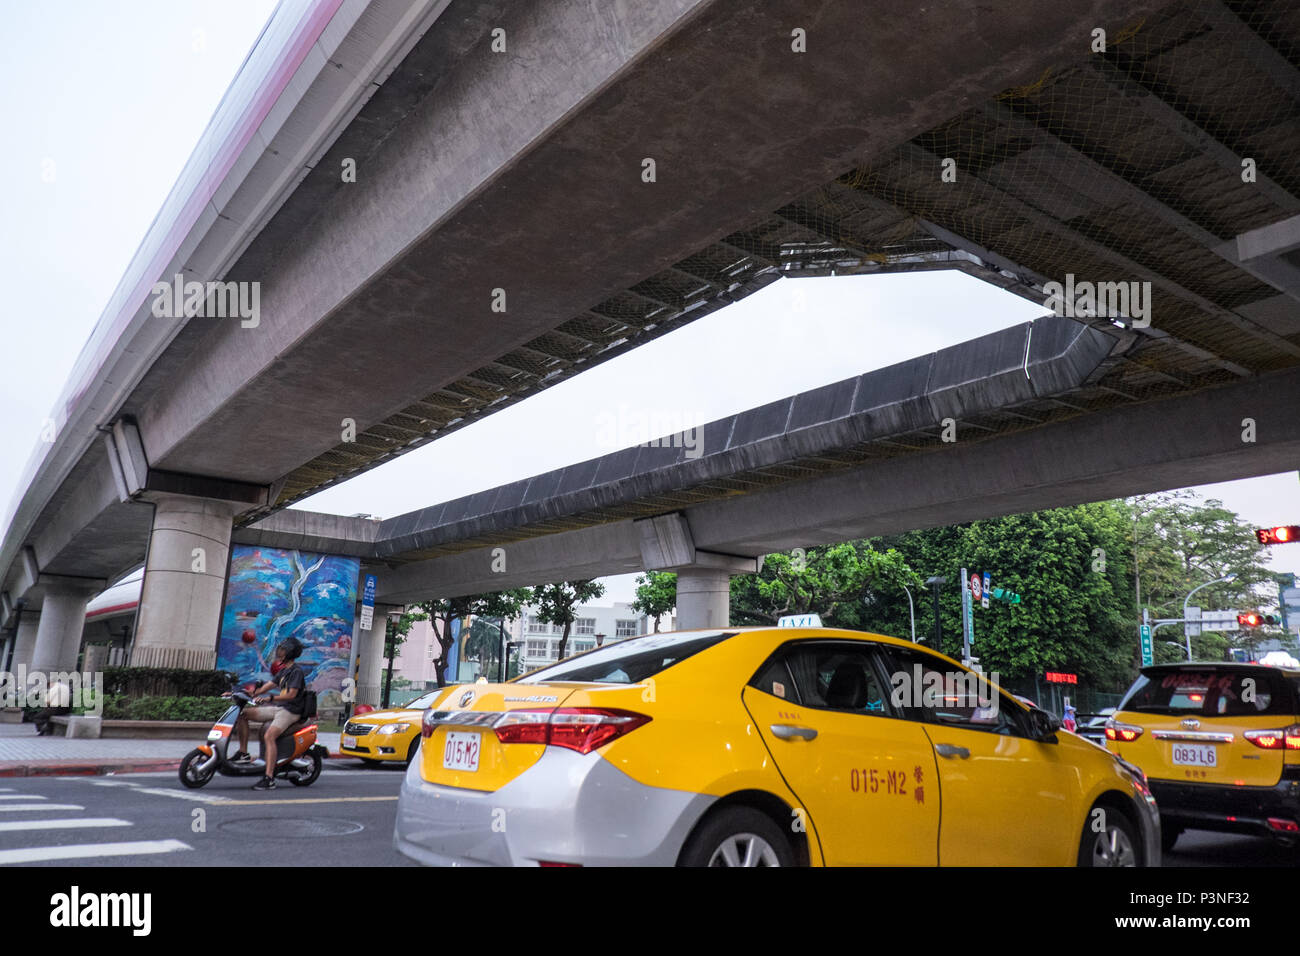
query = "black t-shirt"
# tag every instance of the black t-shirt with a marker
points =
(291, 678)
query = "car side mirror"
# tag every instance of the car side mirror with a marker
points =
(1043, 726)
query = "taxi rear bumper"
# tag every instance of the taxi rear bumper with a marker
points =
(1230, 809)
(568, 808)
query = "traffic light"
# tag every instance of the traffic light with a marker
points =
(1255, 619)
(1282, 534)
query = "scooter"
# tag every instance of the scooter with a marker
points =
(298, 756)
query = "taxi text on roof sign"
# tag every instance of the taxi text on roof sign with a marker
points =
(800, 620)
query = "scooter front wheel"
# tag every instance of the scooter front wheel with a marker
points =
(191, 773)
(307, 779)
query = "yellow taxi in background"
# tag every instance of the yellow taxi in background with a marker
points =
(762, 747)
(1220, 745)
(381, 736)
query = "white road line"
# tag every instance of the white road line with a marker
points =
(40, 806)
(23, 796)
(112, 783)
(184, 795)
(37, 854)
(63, 823)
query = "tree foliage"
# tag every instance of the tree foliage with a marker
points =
(558, 603)
(505, 604)
(656, 594)
(831, 581)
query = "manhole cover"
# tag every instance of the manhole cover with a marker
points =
(280, 827)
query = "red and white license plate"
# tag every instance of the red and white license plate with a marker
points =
(460, 752)
(1195, 755)
(349, 743)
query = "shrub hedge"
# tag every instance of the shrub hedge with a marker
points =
(120, 707)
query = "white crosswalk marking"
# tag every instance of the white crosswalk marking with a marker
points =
(82, 851)
(63, 823)
(22, 796)
(8, 807)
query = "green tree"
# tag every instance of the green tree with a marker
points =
(656, 594)
(558, 603)
(503, 604)
(1069, 565)
(832, 581)
(1182, 542)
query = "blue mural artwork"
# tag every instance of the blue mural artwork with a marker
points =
(273, 594)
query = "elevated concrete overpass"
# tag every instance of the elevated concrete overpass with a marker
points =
(859, 458)
(997, 139)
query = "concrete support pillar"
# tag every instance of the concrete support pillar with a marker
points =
(184, 580)
(25, 644)
(703, 598)
(370, 657)
(58, 633)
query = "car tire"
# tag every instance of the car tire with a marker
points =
(1116, 844)
(737, 836)
(371, 762)
(412, 750)
(1169, 836)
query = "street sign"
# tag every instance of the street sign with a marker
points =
(1147, 655)
(967, 611)
(368, 603)
(976, 586)
(1219, 620)
(1192, 622)
(984, 594)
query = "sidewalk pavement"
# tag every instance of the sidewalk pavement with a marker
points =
(25, 754)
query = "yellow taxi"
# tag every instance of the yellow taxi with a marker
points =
(762, 747)
(1220, 744)
(381, 736)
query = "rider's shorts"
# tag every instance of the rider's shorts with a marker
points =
(279, 717)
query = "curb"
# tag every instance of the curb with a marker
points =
(13, 768)
(69, 769)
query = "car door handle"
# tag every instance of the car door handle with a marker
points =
(951, 750)
(791, 732)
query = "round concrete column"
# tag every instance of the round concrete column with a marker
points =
(58, 634)
(184, 579)
(703, 598)
(26, 640)
(370, 654)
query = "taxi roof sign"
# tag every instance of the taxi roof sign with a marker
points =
(800, 620)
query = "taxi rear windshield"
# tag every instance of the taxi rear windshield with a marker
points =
(630, 661)
(1213, 692)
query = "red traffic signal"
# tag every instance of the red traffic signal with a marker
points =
(1250, 619)
(1282, 534)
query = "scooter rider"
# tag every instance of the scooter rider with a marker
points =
(278, 713)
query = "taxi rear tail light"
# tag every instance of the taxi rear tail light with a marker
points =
(1285, 739)
(1283, 825)
(1125, 733)
(583, 729)
(523, 727)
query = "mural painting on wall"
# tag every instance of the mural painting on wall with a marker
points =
(273, 594)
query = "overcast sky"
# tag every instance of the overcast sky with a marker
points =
(107, 100)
